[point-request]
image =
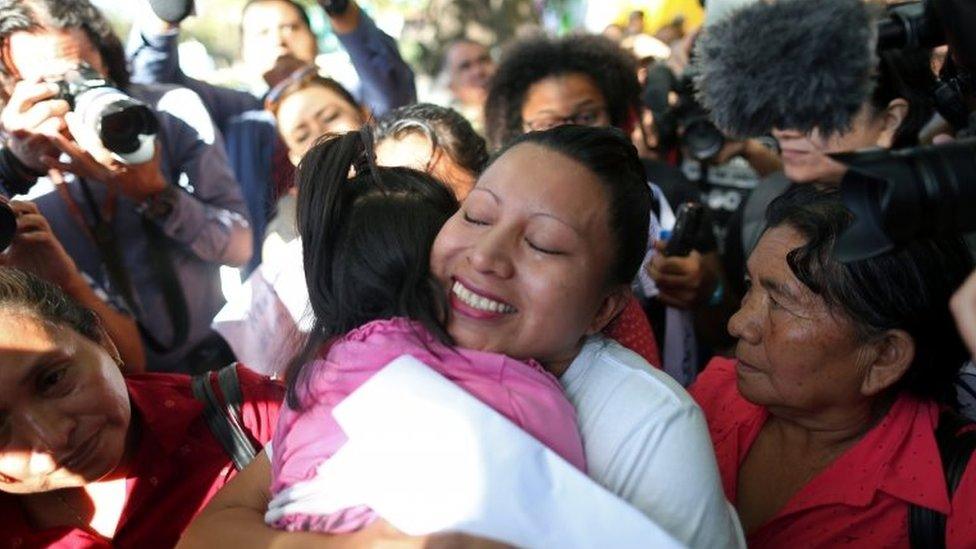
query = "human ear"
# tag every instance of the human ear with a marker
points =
(893, 116)
(894, 353)
(613, 303)
(105, 341)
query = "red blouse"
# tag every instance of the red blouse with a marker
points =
(632, 330)
(860, 500)
(178, 466)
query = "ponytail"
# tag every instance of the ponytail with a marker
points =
(366, 235)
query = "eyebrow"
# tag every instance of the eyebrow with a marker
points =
(584, 103)
(536, 214)
(779, 288)
(42, 362)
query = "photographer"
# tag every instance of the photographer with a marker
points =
(35, 249)
(152, 231)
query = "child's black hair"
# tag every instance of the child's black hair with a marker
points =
(366, 242)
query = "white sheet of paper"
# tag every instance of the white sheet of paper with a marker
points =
(429, 457)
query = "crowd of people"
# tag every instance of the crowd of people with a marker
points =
(492, 322)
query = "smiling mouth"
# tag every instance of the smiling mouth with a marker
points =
(80, 455)
(480, 302)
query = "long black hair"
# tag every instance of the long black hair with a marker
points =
(907, 288)
(366, 243)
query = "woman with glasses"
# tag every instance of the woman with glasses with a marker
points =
(545, 82)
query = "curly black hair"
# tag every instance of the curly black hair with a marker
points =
(527, 61)
(34, 15)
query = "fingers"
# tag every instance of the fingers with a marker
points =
(963, 306)
(87, 139)
(43, 112)
(80, 162)
(29, 218)
(26, 94)
(31, 105)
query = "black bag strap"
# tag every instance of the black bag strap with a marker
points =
(162, 266)
(927, 527)
(224, 418)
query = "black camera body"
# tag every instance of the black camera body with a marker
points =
(127, 127)
(897, 196)
(700, 136)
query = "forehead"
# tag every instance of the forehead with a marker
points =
(47, 52)
(561, 91)
(465, 51)
(307, 102)
(530, 179)
(768, 259)
(269, 13)
(23, 339)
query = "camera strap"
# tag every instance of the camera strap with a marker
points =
(106, 241)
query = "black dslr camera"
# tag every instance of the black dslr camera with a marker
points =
(125, 126)
(896, 196)
(700, 135)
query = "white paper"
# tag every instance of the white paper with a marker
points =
(429, 457)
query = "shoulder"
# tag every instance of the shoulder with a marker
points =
(623, 404)
(174, 105)
(716, 382)
(606, 371)
(263, 399)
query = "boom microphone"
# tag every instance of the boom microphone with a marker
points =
(789, 64)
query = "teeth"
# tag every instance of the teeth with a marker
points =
(481, 303)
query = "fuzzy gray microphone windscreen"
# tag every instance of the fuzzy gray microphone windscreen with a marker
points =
(788, 64)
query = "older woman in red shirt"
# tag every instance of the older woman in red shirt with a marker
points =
(92, 458)
(824, 426)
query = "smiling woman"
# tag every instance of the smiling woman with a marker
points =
(89, 457)
(537, 271)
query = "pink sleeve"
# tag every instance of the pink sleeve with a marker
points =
(540, 408)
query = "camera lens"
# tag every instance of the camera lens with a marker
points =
(703, 139)
(121, 125)
(896, 196)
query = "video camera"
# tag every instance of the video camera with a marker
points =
(896, 196)
(687, 117)
(125, 126)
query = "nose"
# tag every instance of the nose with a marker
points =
(780, 134)
(492, 254)
(744, 324)
(46, 429)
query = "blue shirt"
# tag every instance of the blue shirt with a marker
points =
(207, 226)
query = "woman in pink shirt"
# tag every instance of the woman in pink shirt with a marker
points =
(367, 241)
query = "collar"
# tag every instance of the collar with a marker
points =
(165, 406)
(899, 456)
